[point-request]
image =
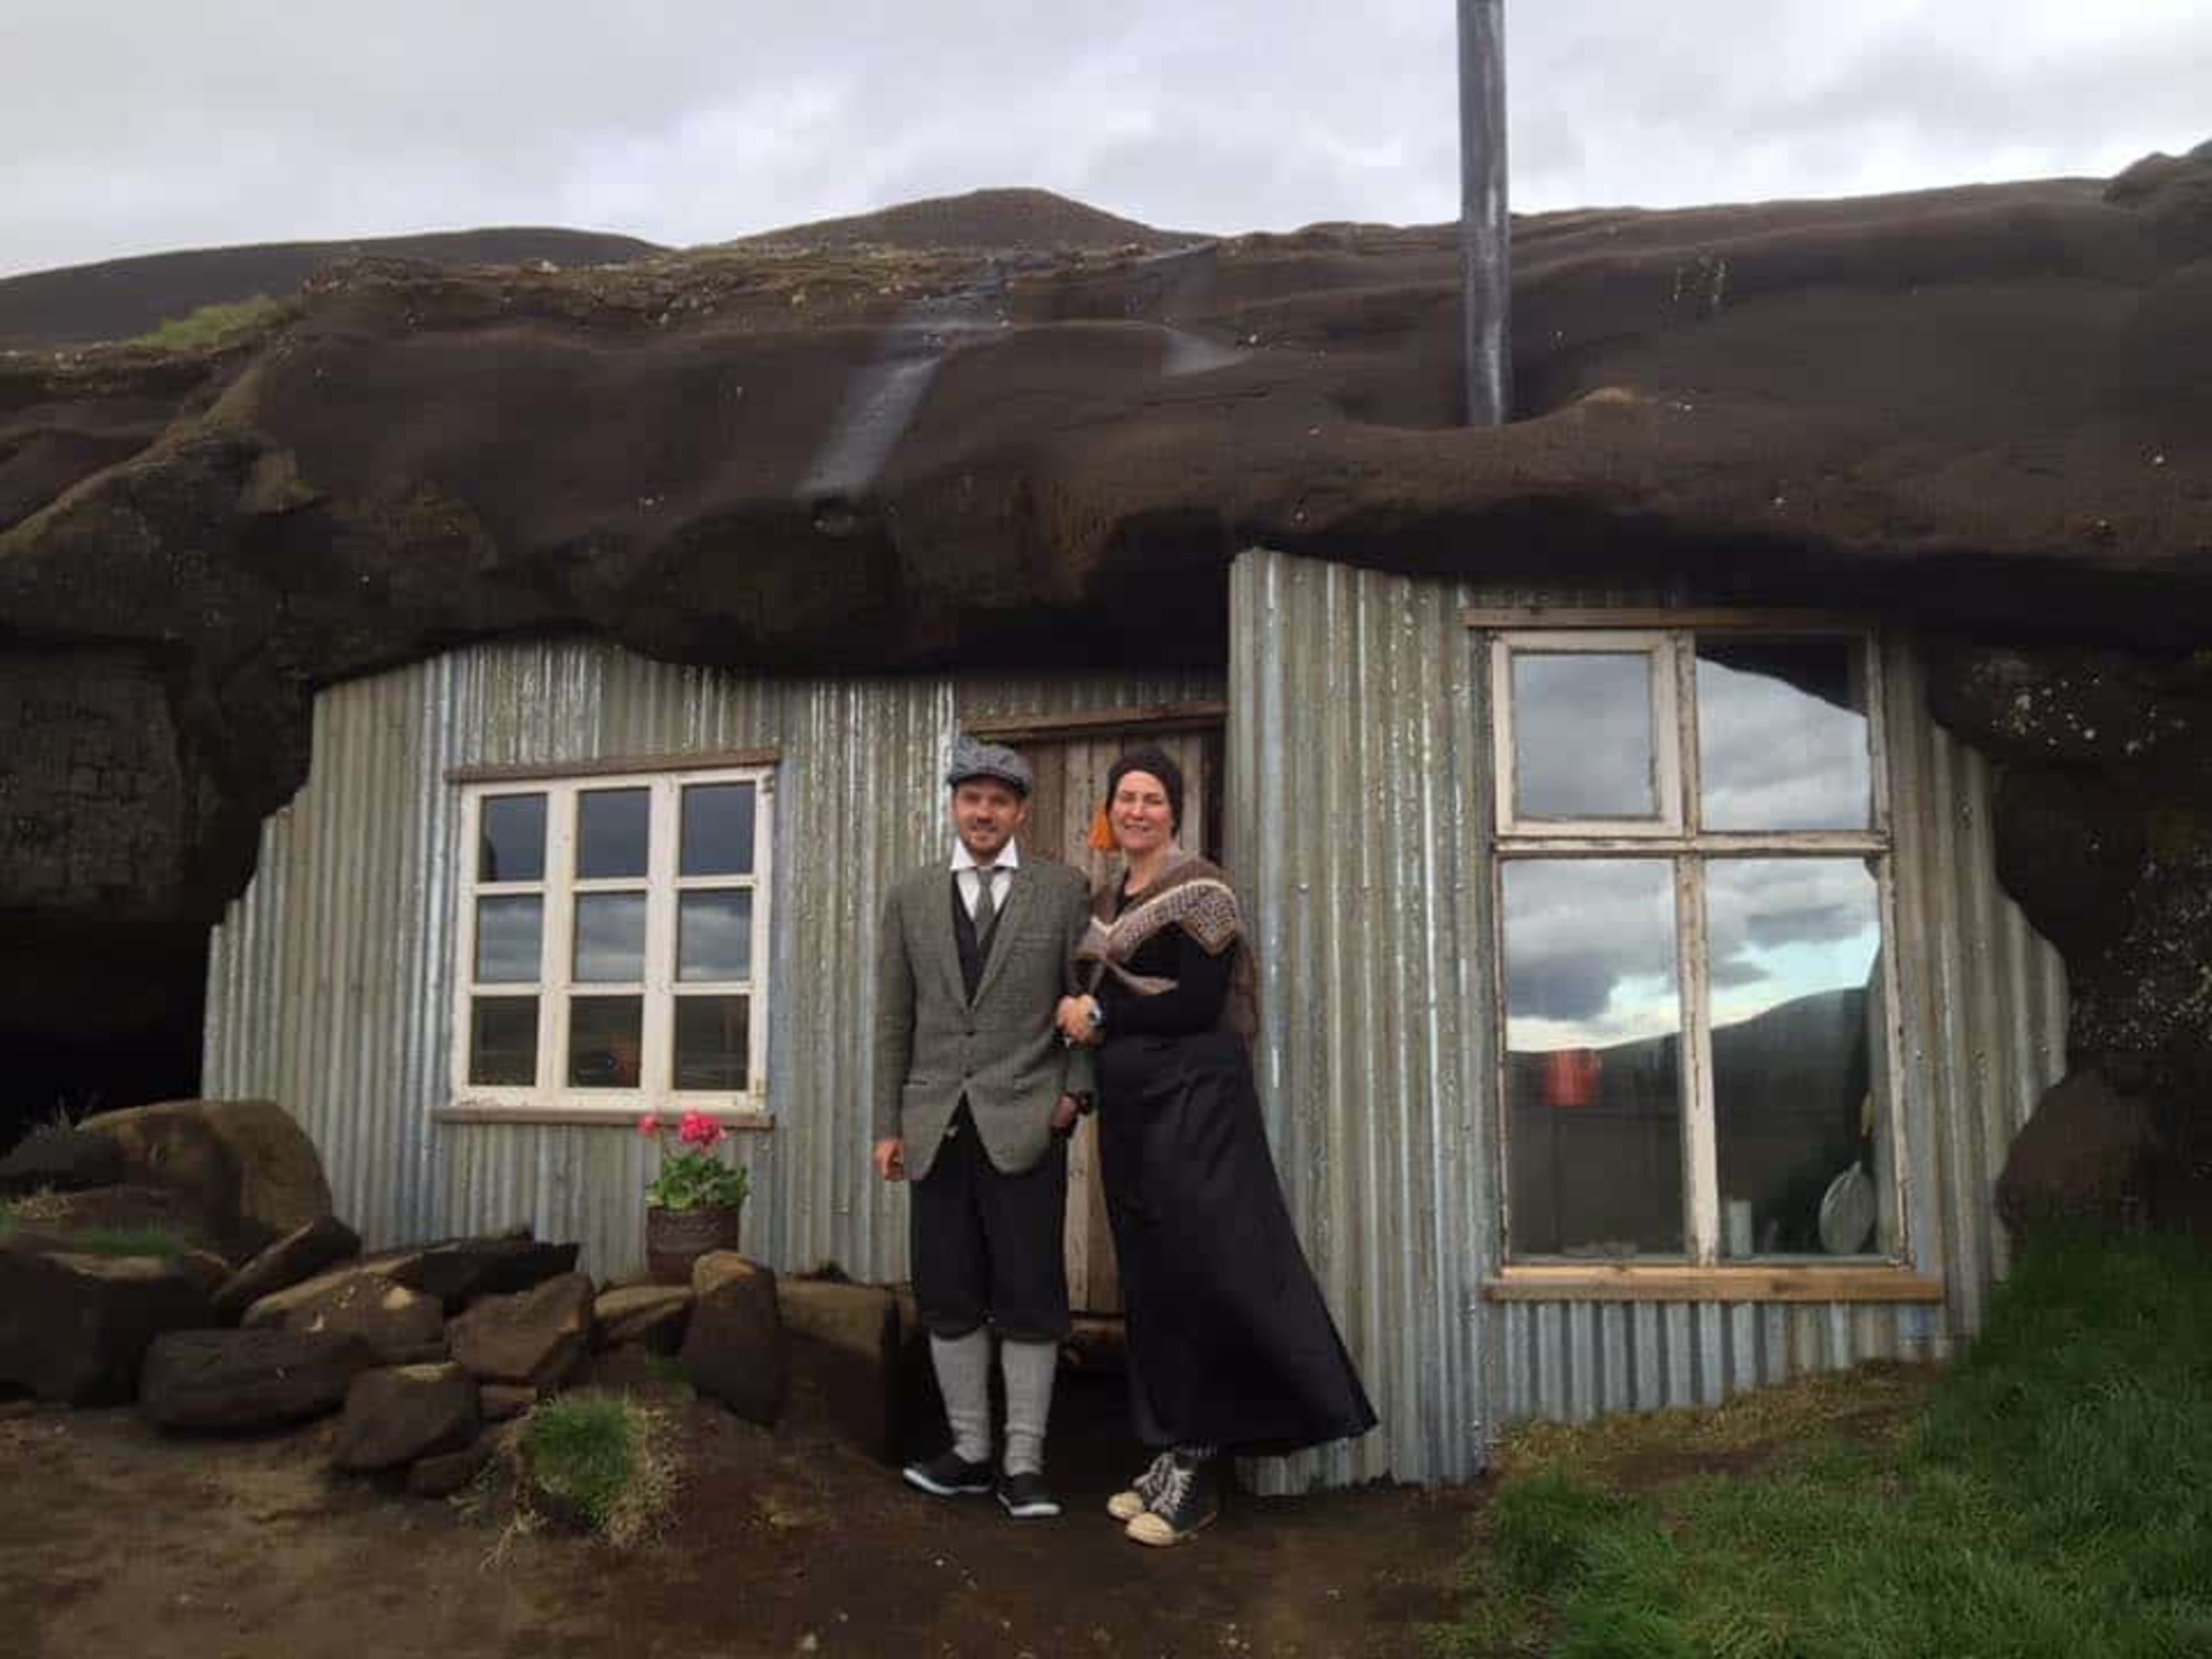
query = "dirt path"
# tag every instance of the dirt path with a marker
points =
(114, 1540)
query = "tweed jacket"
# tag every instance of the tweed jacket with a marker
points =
(1003, 1053)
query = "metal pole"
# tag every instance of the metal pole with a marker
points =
(1485, 239)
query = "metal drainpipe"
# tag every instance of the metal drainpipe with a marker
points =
(1485, 235)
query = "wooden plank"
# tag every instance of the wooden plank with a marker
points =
(1075, 1220)
(1148, 720)
(701, 760)
(1577, 1282)
(1709, 618)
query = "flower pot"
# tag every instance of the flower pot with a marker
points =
(674, 1239)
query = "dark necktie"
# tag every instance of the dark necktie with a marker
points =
(987, 911)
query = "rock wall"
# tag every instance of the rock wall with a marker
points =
(2104, 834)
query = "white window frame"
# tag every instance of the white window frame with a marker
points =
(1688, 848)
(1666, 765)
(551, 1097)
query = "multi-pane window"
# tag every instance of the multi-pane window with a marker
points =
(612, 941)
(1693, 866)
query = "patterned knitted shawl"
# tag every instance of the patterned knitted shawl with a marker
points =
(1188, 893)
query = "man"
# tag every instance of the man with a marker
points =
(975, 1095)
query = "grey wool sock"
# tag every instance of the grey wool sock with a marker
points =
(1030, 1367)
(964, 1377)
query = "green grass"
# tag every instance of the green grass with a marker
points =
(2053, 1498)
(7, 1222)
(128, 1241)
(602, 1456)
(214, 324)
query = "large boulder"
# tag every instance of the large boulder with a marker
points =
(843, 1340)
(535, 1339)
(734, 1349)
(231, 1381)
(396, 1414)
(652, 1316)
(456, 1271)
(2085, 1158)
(58, 1159)
(400, 1326)
(460, 1270)
(248, 1161)
(298, 1256)
(74, 1329)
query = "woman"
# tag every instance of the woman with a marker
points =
(1230, 1345)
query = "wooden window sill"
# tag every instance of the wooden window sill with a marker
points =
(1581, 1282)
(742, 1119)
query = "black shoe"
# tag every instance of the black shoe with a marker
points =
(1189, 1498)
(1026, 1498)
(949, 1474)
(1127, 1505)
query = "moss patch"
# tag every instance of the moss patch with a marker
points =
(601, 1459)
(214, 325)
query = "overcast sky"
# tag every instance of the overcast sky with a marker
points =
(133, 126)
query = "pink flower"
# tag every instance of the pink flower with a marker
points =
(700, 1130)
(648, 1125)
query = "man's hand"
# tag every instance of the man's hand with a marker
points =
(890, 1158)
(1065, 1114)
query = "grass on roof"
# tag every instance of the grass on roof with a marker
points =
(214, 324)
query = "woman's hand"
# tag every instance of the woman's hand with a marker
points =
(1073, 1017)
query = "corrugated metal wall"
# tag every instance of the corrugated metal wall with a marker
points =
(330, 985)
(1358, 749)
(1358, 753)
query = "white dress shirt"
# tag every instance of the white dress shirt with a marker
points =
(971, 884)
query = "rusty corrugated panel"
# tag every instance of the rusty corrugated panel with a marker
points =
(1359, 809)
(1353, 772)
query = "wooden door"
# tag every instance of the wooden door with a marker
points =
(1070, 766)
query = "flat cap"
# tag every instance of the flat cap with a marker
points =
(972, 759)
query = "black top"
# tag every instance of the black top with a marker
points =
(1195, 1005)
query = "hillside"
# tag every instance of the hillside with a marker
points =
(982, 220)
(121, 299)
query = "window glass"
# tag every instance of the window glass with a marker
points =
(611, 832)
(1594, 1031)
(1581, 735)
(1781, 735)
(503, 1041)
(717, 836)
(605, 1038)
(609, 936)
(715, 932)
(511, 838)
(1793, 960)
(510, 931)
(713, 1041)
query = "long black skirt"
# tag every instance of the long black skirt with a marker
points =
(1230, 1343)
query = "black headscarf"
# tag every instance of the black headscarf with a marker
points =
(1150, 757)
